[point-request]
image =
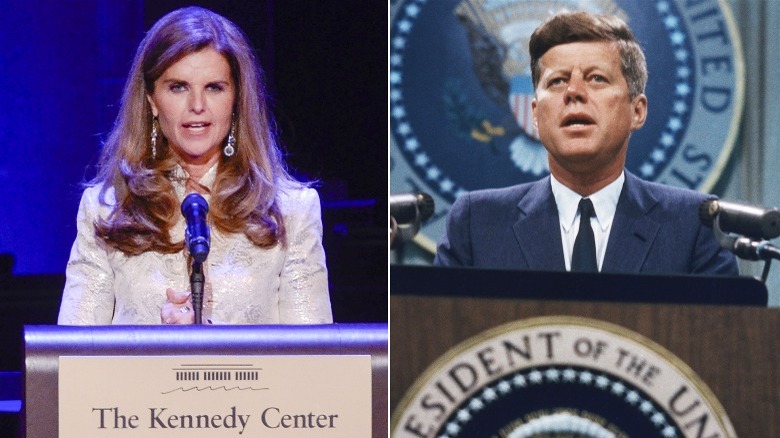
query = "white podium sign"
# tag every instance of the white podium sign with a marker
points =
(215, 396)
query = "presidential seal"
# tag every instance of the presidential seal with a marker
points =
(559, 377)
(461, 91)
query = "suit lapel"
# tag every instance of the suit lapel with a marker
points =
(537, 229)
(633, 230)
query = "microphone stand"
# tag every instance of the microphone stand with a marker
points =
(197, 279)
(746, 248)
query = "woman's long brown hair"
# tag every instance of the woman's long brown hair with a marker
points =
(244, 196)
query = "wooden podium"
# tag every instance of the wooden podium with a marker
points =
(730, 341)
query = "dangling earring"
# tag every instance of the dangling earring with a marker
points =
(154, 137)
(230, 145)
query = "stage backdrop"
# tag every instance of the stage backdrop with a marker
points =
(63, 66)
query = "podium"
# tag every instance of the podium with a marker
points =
(44, 345)
(719, 327)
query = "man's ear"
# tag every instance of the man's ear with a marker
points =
(639, 112)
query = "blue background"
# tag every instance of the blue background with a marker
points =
(63, 66)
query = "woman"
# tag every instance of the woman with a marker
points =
(194, 119)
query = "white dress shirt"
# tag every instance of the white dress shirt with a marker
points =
(604, 204)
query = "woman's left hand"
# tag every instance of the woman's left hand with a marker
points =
(178, 309)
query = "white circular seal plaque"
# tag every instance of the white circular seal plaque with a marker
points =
(559, 376)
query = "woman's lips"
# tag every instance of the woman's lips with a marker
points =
(196, 127)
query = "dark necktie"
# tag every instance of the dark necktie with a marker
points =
(583, 257)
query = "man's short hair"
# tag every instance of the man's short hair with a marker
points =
(570, 27)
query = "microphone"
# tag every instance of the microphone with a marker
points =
(747, 249)
(407, 211)
(197, 235)
(411, 208)
(747, 220)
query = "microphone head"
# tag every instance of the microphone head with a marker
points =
(747, 220)
(411, 207)
(194, 200)
(196, 235)
(426, 206)
(708, 210)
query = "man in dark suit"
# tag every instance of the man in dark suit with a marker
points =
(590, 214)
